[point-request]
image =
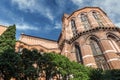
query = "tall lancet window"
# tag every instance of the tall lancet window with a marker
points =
(98, 55)
(98, 18)
(73, 27)
(78, 54)
(85, 21)
(95, 15)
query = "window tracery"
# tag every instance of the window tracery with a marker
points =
(85, 21)
(96, 15)
(98, 55)
(78, 54)
(73, 27)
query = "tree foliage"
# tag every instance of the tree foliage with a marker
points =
(10, 62)
(10, 65)
(60, 66)
(96, 74)
(29, 59)
(7, 39)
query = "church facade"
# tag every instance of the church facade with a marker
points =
(88, 37)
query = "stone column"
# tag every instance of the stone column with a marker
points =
(87, 56)
(110, 54)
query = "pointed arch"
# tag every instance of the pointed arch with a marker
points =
(114, 41)
(87, 39)
(112, 35)
(95, 14)
(97, 17)
(73, 27)
(85, 21)
(97, 53)
(77, 51)
(83, 17)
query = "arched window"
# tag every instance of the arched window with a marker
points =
(114, 42)
(98, 55)
(83, 18)
(96, 49)
(85, 21)
(97, 17)
(78, 54)
(73, 27)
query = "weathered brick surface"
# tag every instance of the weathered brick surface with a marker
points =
(108, 49)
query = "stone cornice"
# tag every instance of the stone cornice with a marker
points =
(35, 45)
(88, 32)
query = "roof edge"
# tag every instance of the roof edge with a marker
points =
(84, 8)
(38, 37)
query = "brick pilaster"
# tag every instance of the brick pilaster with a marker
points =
(110, 54)
(87, 56)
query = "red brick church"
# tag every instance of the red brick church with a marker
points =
(88, 37)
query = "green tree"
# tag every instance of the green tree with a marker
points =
(79, 71)
(112, 74)
(57, 65)
(10, 65)
(9, 60)
(96, 74)
(7, 39)
(29, 59)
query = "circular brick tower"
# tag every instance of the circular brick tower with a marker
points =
(89, 37)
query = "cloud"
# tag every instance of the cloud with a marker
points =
(20, 26)
(110, 6)
(25, 4)
(57, 26)
(48, 14)
(77, 2)
(34, 6)
(4, 23)
(26, 27)
(118, 24)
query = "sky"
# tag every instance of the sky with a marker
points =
(43, 18)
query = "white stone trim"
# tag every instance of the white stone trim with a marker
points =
(107, 51)
(90, 64)
(87, 56)
(94, 23)
(113, 59)
(112, 44)
(66, 51)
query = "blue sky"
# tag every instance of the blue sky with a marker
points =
(42, 18)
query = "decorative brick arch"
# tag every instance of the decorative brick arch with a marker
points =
(96, 38)
(91, 11)
(83, 12)
(114, 41)
(115, 36)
